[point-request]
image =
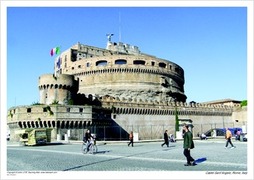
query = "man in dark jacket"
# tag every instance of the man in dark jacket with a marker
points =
(165, 139)
(188, 145)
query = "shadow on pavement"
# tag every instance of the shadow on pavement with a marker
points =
(117, 158)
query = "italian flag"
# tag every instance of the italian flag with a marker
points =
(55, 50)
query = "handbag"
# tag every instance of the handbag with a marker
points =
(192, 145)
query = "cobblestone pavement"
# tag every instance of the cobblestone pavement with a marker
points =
(149, 156)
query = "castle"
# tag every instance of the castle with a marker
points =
(114, 91)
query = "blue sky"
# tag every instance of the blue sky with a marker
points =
(209, 43)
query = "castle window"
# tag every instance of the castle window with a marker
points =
(44, 109)
(162, 65)
(177, 70)
(79, 66)
(139, 62)
(80, 110)
(68, 109)
(120, 61)
(74, 55)
(28, 110)
(153, 63)
(88, 64)
(101, 63)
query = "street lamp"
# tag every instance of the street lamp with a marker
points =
(223, 119)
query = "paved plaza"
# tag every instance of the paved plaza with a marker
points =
(145, 156)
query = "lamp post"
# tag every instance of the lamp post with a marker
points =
(223, 120)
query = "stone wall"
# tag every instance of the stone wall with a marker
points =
(104, 72)
(56, 117)
(57, 88)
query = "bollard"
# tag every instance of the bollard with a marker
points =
(66, 137)
(58, 137)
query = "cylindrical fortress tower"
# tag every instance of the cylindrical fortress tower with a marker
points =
(60, 88)
(123, 72)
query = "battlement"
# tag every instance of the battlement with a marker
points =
(64, 116)
(59, 88)
(139, 103)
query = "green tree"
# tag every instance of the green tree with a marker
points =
(244, 103)
(176, 121)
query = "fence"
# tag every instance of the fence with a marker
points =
(145, 132)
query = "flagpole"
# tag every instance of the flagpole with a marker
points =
(56, 51)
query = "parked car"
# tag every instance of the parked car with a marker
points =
(222, 131)
(219, 132)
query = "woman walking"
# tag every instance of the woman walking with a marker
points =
(131, 139)
(228, 137)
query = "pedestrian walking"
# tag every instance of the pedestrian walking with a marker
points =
(131, 139)
(165, 139)
(228, 137)
(188, 144)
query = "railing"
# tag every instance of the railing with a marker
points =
(144, 132)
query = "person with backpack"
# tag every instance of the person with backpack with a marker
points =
(228, 137)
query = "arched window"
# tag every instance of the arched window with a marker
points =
(162, 65)
(120, 61)
(139, 62)
(101, 63)
(177, 70)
